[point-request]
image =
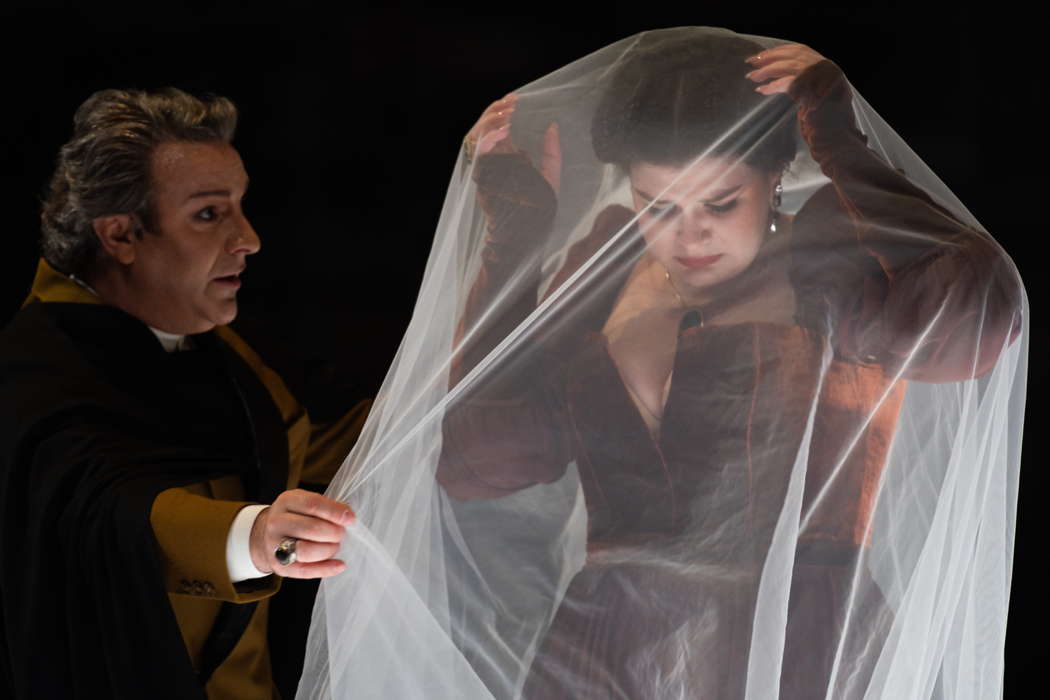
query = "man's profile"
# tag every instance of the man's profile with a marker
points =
(149, 460)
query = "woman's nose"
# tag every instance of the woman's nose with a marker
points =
(695, 223)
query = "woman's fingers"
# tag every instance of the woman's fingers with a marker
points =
(550, 163)
(780, 66)
(491, 138)
(496, 115)
(778, 69)
(781, 52)
(491, 128)
(776, 86)
(494, 128)
(491, 134)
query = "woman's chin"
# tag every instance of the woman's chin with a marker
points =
(703, 282)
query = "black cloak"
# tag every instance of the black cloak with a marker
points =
(95, 421)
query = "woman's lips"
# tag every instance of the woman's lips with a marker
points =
(697, 263)
(229, 280)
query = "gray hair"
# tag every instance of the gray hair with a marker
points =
(104, 168)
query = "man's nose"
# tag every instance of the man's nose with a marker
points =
(245, 240)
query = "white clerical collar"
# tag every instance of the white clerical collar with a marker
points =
(171, 342)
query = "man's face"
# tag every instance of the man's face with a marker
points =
(186, 268)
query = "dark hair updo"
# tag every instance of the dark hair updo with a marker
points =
(679, 92)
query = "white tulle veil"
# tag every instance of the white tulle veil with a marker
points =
(825, 507)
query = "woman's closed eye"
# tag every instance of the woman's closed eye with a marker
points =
(721, 207)
(662, 210)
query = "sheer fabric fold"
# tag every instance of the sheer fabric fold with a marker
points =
(707, 394)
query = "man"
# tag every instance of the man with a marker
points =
(140, 438)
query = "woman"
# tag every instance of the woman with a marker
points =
(747, 397)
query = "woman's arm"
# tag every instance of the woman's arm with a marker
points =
(519, 207)
(506, 432)
(908, 285)
(519, 203)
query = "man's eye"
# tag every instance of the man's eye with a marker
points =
(207, 214)
(722, 208)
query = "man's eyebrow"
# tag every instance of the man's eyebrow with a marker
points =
(209, 193)
(214, 193)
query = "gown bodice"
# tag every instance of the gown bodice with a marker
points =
(746, 402)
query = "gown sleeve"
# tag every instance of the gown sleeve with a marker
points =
(902, 281)
(497, 434)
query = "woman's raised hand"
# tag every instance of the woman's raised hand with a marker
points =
(491, 134)
(492, 129)
(780, 66)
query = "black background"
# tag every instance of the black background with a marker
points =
(351, 120)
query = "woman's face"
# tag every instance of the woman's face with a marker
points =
(704, 222)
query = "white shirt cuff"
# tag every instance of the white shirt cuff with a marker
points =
(238, 545)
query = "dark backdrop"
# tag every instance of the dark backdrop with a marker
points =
(351, 122)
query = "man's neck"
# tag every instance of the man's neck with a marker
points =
(114, 287)
(171, 342)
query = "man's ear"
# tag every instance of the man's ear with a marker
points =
(116, 234)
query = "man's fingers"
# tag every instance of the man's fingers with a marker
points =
(321, 569)
(316, 505)
(304, 527)
(307, 551)
(318, 523)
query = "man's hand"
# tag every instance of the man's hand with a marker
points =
(318, 523)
